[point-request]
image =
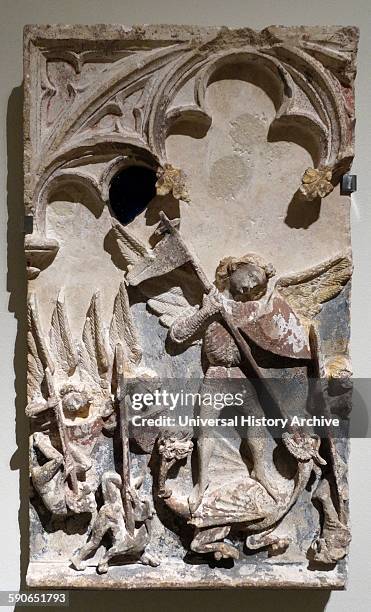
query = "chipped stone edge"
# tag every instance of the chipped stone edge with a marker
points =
(57, 575)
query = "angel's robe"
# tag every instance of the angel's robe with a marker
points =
(275, 328)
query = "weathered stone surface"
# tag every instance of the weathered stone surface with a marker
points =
(188, 226)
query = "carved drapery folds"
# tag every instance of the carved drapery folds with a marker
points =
(113, 301)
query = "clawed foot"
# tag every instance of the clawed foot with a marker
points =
(332, 544)
(322, 554)
(326, 552)
(148, 559)
(279, 546)
(226, 551)
(275, 544)
(78, 563)
(195, 498)
(102, 567)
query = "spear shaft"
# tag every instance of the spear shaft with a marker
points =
(124, 431)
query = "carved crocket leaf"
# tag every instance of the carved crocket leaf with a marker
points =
(122, 329)
(61, 340)
(307, 291)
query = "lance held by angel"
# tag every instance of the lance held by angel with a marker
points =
(248, 305)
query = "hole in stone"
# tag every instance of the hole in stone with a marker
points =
(130, 192)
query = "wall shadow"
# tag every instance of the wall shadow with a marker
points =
(302, 213)
(236, 600)
(17, 288)
(164, 601)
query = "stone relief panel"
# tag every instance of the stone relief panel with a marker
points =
(189, 233)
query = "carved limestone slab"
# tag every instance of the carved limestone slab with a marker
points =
(189, 232)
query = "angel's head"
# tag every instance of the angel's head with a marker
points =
(76, 400)
(244, 278)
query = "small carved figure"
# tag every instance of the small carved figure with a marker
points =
(49, 472)
(84, 383)
(332, 543)
(172, 446)
(112, 518)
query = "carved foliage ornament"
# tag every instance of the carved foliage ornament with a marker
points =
(313, 80)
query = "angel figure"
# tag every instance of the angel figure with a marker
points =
(273, 313)
(112, 518)
(70, 402)
(247, 305)
(76, 391)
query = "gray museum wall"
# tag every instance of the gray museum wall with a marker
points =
(13, 432)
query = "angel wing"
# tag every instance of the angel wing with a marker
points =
(61, 342)
(180, 293)
(38, 356)
(94, 358)
(173, 301)
(307, 291)
(123, 330)
(55, 353)
(169, 305)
